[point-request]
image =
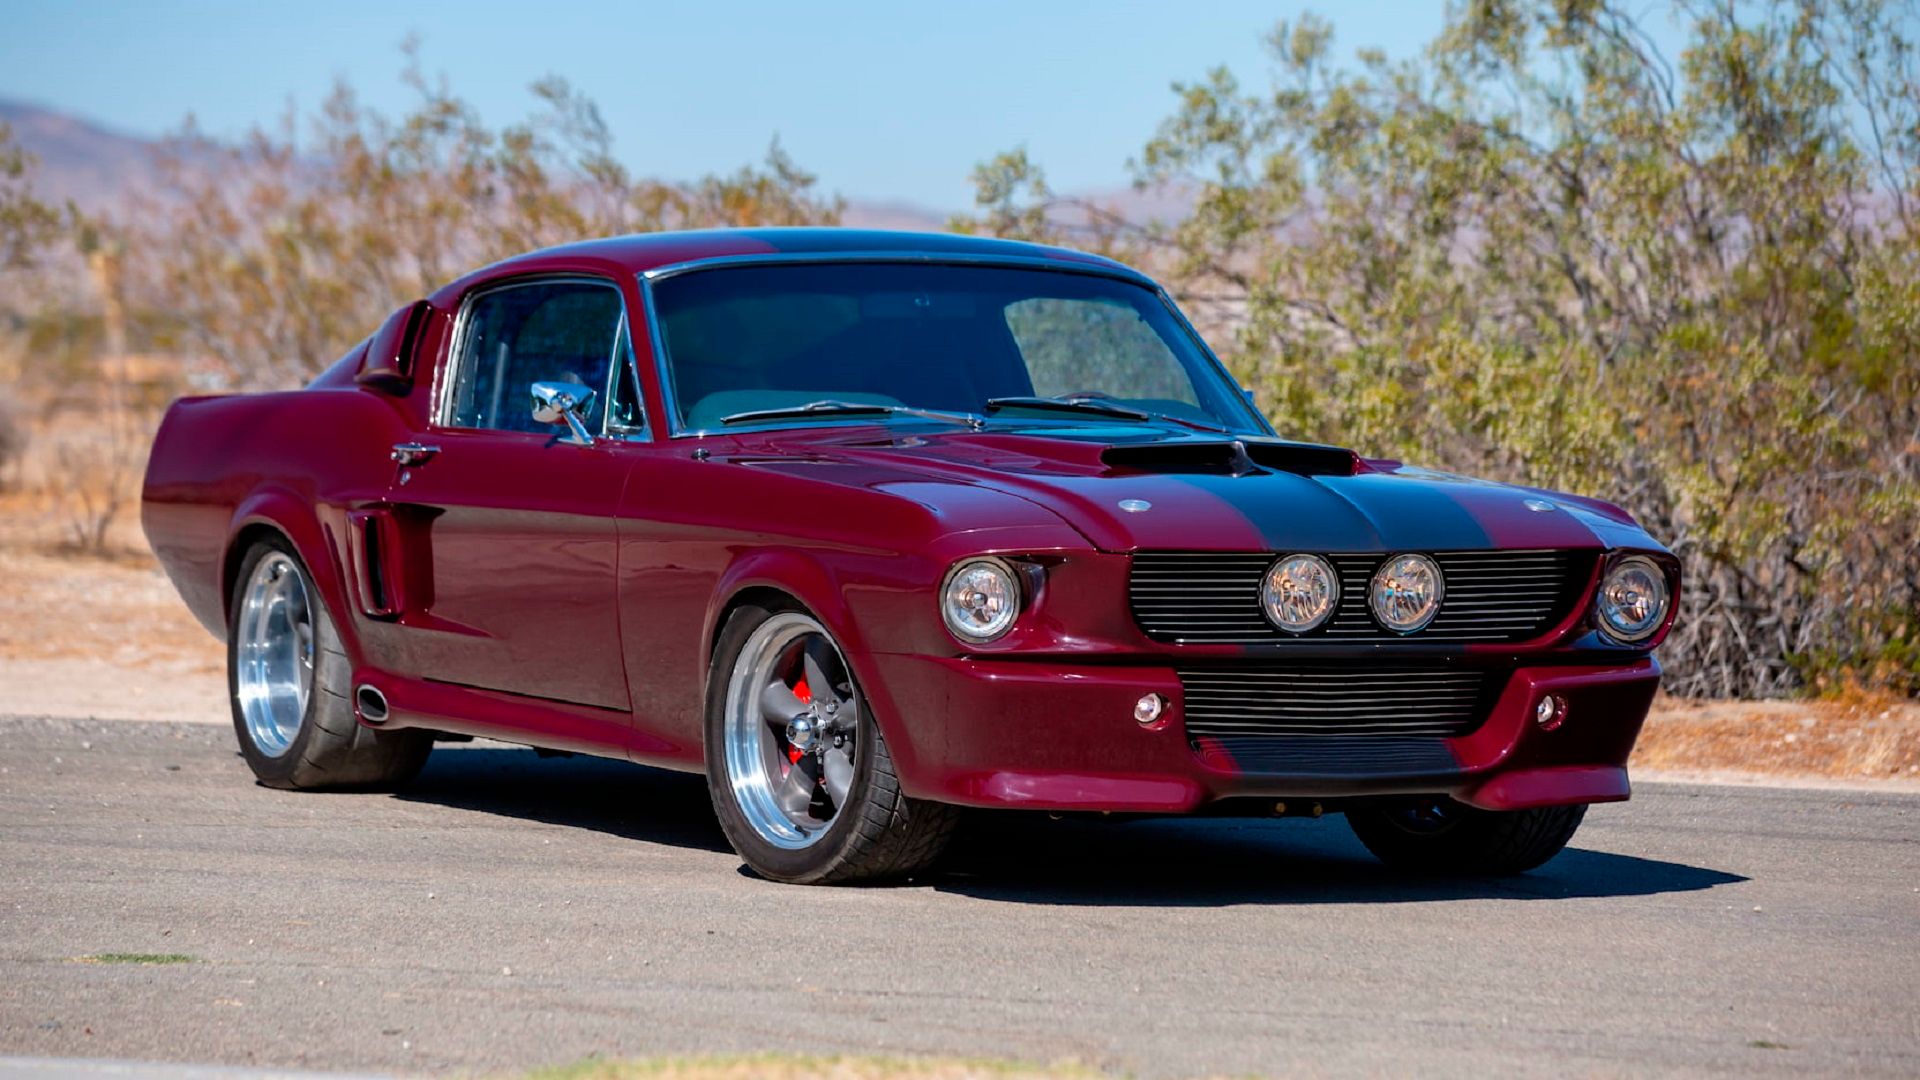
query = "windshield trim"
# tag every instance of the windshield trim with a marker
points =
(657, 344)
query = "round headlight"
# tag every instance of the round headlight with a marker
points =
(1406, 593)
(1633, 599)
(980, 600)
(1299, 592)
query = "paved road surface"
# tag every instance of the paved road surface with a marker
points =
(514, 911)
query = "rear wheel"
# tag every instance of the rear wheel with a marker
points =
(1436, 835)
(800, 775)
(289, 679)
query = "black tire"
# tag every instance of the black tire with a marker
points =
(880, 835)
(1443, 837)
(332, 749)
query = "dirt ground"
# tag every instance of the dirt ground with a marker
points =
(90, 635)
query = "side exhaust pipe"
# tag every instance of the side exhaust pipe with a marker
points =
(371, 704)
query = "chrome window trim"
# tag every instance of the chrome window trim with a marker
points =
(1241, 396)
(657, 338)
(448, 375)
(958, 258)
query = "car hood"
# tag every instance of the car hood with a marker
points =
(1127, 488)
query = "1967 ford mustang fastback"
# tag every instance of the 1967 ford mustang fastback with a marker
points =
(873, 527)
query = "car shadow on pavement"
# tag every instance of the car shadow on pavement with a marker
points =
(1032, 858)
(1202, 862)
(630, 801)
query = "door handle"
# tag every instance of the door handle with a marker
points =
(413, 453)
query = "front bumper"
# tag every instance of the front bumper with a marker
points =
(1061, 736)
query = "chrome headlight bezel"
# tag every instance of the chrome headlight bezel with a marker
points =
(1380, 598)
(1606, 605)
(1011, 592)
(1273, 605)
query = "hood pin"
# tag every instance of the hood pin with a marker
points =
(1135, 506)
(1539, 505)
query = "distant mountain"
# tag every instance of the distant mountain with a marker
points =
(78, 159)
(98, 168)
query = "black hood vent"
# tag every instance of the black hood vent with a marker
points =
(1233, 458)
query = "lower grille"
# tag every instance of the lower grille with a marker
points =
(1358, 755)
(1266, 700)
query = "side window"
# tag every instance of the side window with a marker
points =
(545, 331)
(1101, 346)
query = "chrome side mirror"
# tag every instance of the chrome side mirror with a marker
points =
(564, 403)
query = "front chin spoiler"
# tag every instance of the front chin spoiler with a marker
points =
(1526, 789)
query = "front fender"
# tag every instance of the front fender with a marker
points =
(828, 593)
(797, 573)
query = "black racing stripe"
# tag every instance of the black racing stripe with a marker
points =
(1292, 513)
(1410, 513)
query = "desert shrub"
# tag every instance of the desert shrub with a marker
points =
(92, 479)
(13, 444)
(1544, 252)
(270, 258)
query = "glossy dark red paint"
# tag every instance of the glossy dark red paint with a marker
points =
(568, 596)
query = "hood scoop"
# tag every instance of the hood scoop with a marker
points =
(1231, 458)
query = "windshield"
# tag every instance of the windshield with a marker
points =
(747, 340)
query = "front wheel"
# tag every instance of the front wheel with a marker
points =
(800, 776)
(1435, 835)
(289, 676)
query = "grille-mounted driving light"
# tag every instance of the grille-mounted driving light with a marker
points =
(1406, 593)
(1299, 592)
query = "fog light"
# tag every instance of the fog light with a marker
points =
(1149, 708)
(1551, 712)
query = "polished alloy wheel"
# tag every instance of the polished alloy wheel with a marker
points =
(791, 731)
(273, 675)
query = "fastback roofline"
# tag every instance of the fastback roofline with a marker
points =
(1019, 262)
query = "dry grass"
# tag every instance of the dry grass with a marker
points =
(116, 606)
(1855, 737)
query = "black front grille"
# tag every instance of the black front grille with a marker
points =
(1491, 596)
(1360, 755)
(1249, 699)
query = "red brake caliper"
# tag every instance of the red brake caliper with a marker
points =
(800, 690)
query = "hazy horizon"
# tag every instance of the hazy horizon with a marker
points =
(885, 105)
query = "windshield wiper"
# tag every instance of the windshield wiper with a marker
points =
(1095, 407)
(851, 408)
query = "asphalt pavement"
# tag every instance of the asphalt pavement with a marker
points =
(510, 911)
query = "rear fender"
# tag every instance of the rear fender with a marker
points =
(294, 518)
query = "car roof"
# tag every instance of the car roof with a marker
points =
(641, 252)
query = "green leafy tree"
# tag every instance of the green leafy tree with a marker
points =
(1544, 251)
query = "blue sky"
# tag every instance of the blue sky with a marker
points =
(883, 100)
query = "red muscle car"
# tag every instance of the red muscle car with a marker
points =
(873, 527)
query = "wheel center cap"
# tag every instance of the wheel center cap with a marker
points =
(803, 732)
